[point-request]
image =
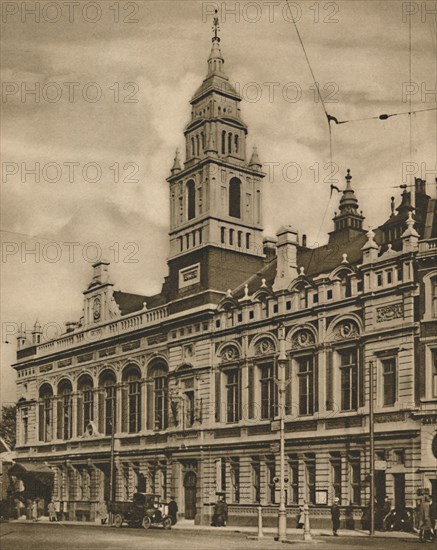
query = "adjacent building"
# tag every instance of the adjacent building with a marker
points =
(177, 393)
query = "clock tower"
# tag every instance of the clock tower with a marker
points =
(215, 195)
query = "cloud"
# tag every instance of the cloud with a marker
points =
(365, 55)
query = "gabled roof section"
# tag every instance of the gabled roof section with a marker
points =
(128, 303)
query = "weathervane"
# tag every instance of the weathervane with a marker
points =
(216, 27)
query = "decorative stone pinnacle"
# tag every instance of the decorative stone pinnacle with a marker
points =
(302, 271)
(229, 293)
(263, 283)
(410, 231)
(176, 163)
(344, 260)
(370, 241)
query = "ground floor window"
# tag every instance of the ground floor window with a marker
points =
(336, 475)
(294, 481)
(256, 482)
(271, 474)
(235, 479)
(310, 478)
(355, 478)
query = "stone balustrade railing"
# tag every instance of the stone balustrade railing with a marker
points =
(92, 334)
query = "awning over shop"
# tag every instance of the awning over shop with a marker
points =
(32, 470)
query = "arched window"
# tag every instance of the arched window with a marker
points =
(45, 412)
(229, 143)
(345, 284)
(65, 409)
(85, 403)
(157, 413)
(223, 142)
(235, 198)
(191, 195)
(434, 297)
(107, 403)
(236, 143)
(302, 295)
(131, 399)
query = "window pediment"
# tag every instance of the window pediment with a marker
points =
(302, 339)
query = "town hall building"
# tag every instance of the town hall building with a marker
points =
(177, 393)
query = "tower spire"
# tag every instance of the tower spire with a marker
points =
(176, 163)
(215, 60)
(349, 217)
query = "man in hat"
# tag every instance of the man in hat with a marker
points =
(335, 516)
(173, 510)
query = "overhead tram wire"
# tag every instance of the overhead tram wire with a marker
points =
(316, 84)
(380, 117)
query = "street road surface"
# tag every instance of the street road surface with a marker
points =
(28, 536)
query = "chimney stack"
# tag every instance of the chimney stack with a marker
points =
(286, 252)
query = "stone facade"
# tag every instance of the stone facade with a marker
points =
(178, 392)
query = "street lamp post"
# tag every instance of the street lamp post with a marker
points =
(282, 359)
(371, 451)
(112, 455)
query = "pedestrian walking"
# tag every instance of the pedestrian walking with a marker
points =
(335, 516)
(220, 516)
(386, 511)
(34, 510)
(425, 526)
(433, 512)
(102, 511)
(300, 518)
(173, 510)
(51, 508)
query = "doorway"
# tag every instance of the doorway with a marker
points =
(380, 488)
(399, 483)
(190, 482)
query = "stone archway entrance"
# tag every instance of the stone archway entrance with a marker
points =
(190, 486)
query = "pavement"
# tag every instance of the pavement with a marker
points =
(267, 531)
(26, 535)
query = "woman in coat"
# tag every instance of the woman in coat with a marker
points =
(220, 516)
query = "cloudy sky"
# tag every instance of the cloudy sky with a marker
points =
(113, 83)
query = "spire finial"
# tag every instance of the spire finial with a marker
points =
(254, 159)
(348, 179)
(176, 163)
(216, 27)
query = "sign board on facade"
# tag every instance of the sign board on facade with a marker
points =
(274, 447)
(276, 425)
(321, 496)
(189, 275)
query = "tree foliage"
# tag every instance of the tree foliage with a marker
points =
(8, 424)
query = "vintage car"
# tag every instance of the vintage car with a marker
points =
(144, 510)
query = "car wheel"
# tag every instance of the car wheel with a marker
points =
(118, 521)
(147, 522)
(166, 523)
